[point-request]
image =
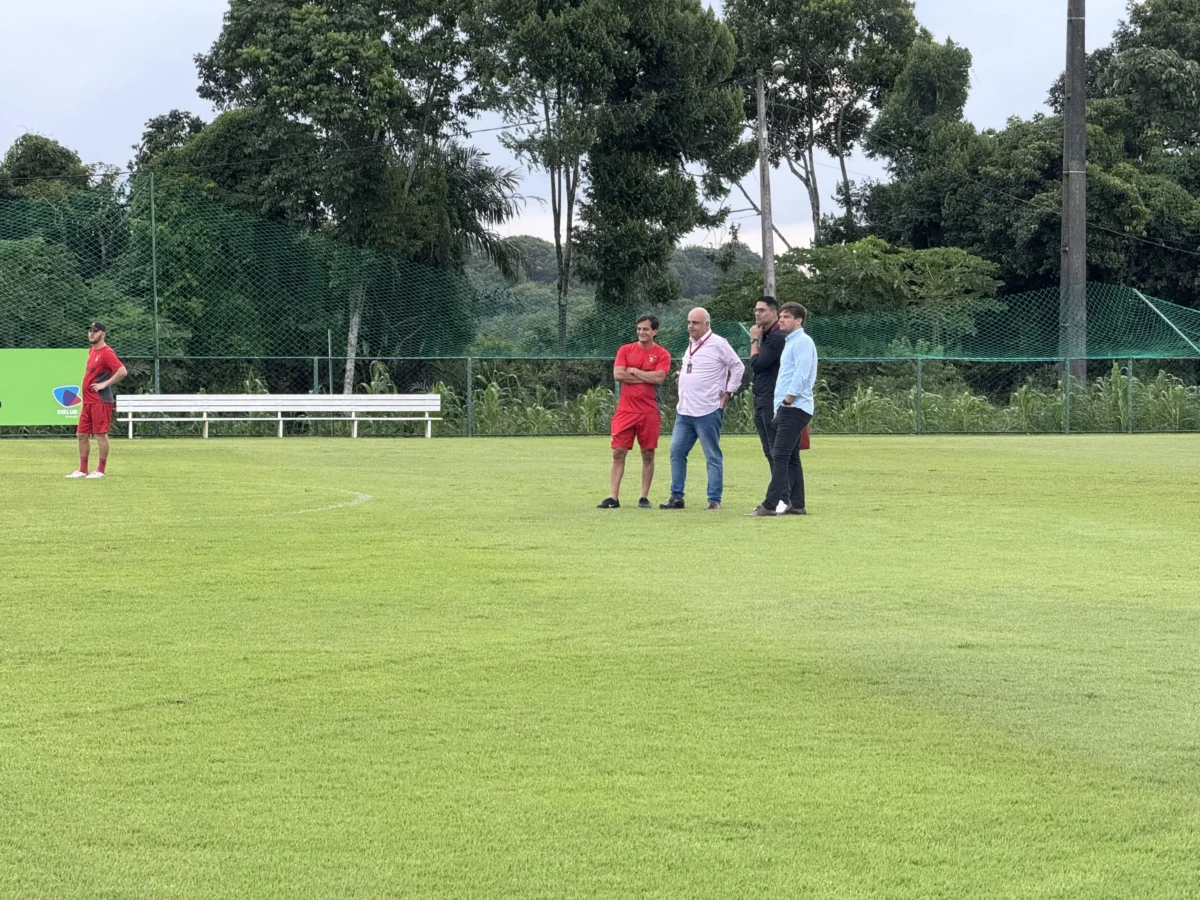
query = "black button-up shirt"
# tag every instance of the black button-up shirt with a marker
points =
(766, 367)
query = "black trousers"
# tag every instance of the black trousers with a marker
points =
(787, 477)
(764, 421)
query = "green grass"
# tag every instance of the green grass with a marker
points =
(973, 671)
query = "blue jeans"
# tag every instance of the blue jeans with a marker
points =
(706, 429)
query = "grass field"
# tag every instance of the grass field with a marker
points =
(407, 668)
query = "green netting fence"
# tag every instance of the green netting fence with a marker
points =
(201, 297)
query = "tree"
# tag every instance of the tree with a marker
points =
(380, 87)
(43, 298)
(949, 286)
(840, 57)
(1165, 24)
(611, 98)
(246, 158)
(998, 194)
(56, 197)
(675, 109)
(553, 66)
(37, 166)
(928, 96)
(166, 132)
(604, 95)
(377, 84)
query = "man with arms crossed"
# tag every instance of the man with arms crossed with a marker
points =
(711, 373)
(639, 368)
(102, 372)
(793, 410)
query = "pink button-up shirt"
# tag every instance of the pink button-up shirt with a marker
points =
(709, 369)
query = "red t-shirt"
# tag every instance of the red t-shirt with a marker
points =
(102, 364)
(641, 398)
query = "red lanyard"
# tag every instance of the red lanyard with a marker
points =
(693, 351)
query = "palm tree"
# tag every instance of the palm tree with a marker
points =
(477, 197)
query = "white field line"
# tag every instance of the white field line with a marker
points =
(357, 498)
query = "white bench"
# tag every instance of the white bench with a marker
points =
(206, 408)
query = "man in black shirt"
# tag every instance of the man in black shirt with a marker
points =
(766, 347)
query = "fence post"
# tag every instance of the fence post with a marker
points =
(920, 401)
(1129, 396)
(154, 284)
(316, 374)
(470, 397)
(329, 337)
(1066, 396)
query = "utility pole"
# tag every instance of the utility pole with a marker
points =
(764, 177)
(1072, 310)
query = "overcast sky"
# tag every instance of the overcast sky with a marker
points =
(89, 75)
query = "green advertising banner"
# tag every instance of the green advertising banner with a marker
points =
(41, 387)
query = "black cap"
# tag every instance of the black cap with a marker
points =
(97, 326)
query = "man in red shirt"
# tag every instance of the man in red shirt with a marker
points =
(639, 368)
(102, 372)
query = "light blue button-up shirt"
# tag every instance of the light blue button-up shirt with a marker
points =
(797, 371)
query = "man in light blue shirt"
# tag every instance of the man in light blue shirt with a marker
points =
(793, 410)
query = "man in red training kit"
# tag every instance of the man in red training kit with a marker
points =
(639, 368)
(103, 371)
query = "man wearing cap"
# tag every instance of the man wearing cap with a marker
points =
(102, 372)
(711, 373)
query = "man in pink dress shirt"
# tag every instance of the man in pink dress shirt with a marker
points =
(710, 373)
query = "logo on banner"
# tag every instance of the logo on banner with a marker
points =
(68, 398)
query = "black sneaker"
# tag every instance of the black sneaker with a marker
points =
(644, 503)
(610, 503)
(673, 503)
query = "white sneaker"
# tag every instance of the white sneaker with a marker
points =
(96, 475)
(78, 475)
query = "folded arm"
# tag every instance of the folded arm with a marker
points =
(630, 375)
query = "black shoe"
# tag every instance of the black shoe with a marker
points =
(644, 503)
(610, 503)
(713, 505)
(673, 503)
(761, 512)
(795, 511)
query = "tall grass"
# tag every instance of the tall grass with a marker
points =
(872, 403)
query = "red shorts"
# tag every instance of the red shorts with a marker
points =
(627, 425)
(95, 418)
